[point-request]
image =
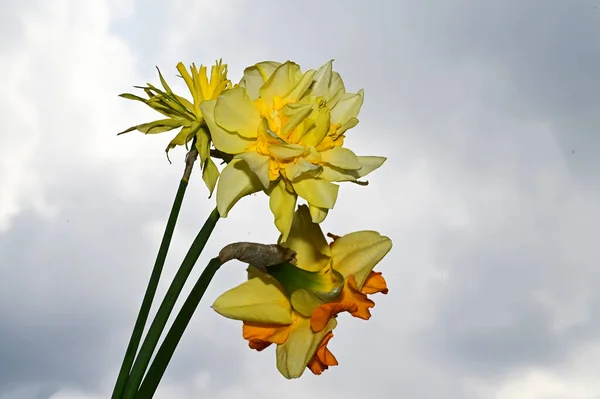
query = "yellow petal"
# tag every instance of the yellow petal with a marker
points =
(305, 302)
(266, 68)
(349, 124)
(236, 113)
(348, 107)
(210, 175)
(236, 181)
(316, 191)
(317, 133)
(369, 164)
(334, 174)
(307, 239)
(341, 157)
(298, 113)
(296, 93)
(286, 151)
(317, 214)
(336, 89)
(259, 164)
(294, 170)
(259, 300)
(282, 204)
(357, 253)
(281, 82)
(203, 143)
(227, 142)
(252, 81)
(299, 348)
(322, 80)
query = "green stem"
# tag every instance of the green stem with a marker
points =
(142, 317)
(167, 348)
(166, 307)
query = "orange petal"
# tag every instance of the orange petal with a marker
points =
(323, 358)
(375, 283)
(258, 344)
(260, 336)
(321, 315)
(363, 303)
(352, 300)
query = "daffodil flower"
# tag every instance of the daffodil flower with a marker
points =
(286, 131)
(185, 114)
(295, 306)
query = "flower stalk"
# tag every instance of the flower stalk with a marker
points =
(142, 317)
(166, 307)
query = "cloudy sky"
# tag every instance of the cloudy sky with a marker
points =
(487, 110)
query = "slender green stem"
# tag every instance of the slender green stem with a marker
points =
(166, 307)
(167, 348)
(142, 317)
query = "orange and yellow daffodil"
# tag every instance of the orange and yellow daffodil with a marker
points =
(295, 306)
(285, 130)
(185, 114)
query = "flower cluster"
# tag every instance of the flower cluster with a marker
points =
(282, 131)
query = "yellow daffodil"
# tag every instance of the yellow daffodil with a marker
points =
(295, 306)
(286, 130)
(185, 114)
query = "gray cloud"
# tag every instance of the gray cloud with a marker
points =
(478, 106)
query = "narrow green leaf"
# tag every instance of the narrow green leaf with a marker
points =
(159, 126)
(133, 97)
(164, 82)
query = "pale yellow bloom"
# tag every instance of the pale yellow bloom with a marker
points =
(286, 131)
(185, 114)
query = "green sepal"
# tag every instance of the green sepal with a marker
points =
(316, 287)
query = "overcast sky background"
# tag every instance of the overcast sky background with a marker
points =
(487, 110)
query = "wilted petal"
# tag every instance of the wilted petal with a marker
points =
(236, 113)
(236, 181)
(259, 300)
(293, 355)
(317, 192)
(357, 253)
(227, 142)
